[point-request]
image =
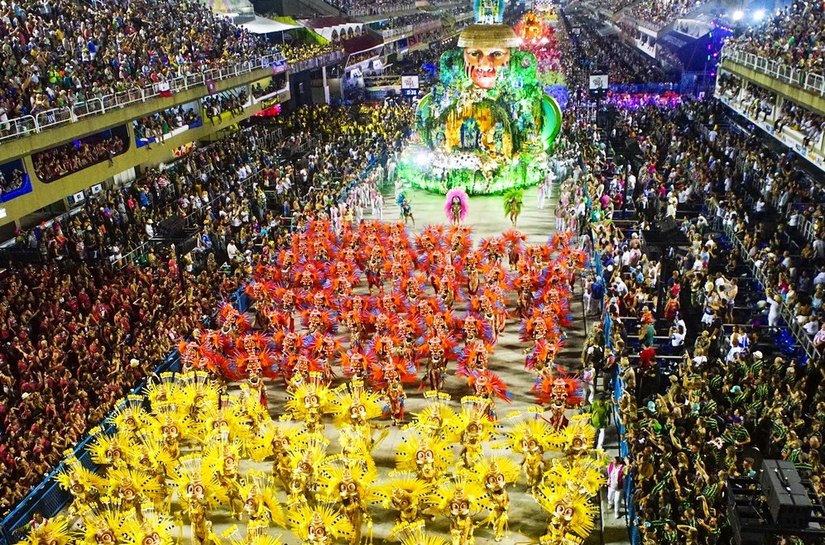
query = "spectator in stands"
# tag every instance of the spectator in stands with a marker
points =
(793, 36)
(12, 182)
(72, 52)
(71, 157)
(691, 420)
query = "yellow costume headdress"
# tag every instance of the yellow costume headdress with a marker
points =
(313, 523)
(54, 531)
(200, 399)
(473, 418)
(311, 449)
(162, 390)
(353, 472)
(406, 494)
(353, 403)
(80, 482)
(132, 485)
(149, 453)
(195, 482)
(577, 438)
(415, 534)
(129, 415)
(531, 428)
(309, 396)
(104, 523)
(108, 450)
(583, 474)
(502, 468)
(155, 528)
(570, 512)
(437, 417)
(418, 451)
(225, 424)
(460, 490)
(262, 445)
(260, 488)
(251, 538)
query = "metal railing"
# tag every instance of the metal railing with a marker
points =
(785, 311)
(798, 77)
(23, 126)
(319, 61)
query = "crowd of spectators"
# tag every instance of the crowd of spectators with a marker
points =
(590, 50)
(361, 8)
(405, 20)
(160, 124)
(304, 51)
(214, 106)
(54, 163)
(798, 118)
(757, 102)
(10, 181)
(71, 345)
(663, 12)
(612, 6)
(60, 52)
(275, 84)
(713, 379)
(792, 35)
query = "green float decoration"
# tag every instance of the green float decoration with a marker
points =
(487, 125)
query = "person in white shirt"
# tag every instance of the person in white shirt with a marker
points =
(677, 335)
(232, 251)
(150, 230)
(615, 484)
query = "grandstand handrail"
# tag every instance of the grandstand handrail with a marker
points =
(795, 76)
(17, 127)
(785, 311)
(61, 116)
(89, 107)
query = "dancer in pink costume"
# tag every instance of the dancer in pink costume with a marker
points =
(456, 205)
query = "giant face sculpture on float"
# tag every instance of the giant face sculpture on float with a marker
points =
(487, 125)
(484, 64)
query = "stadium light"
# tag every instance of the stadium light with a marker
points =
(738, 14)
(758, 15)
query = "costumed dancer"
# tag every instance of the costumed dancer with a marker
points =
(456, 204)
(531, 438)
(406, 208)
(459, 500)
(494, 475)
(513, 201)
(349, 483)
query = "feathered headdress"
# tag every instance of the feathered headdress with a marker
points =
(304, 520)
(463, 200)
(437, 417)
(260, 493)
(531, 428)
(354, 401)
(417, 449)
(413, 533)
(54, 531)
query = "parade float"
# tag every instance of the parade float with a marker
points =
(537, 35)
(487, 125)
